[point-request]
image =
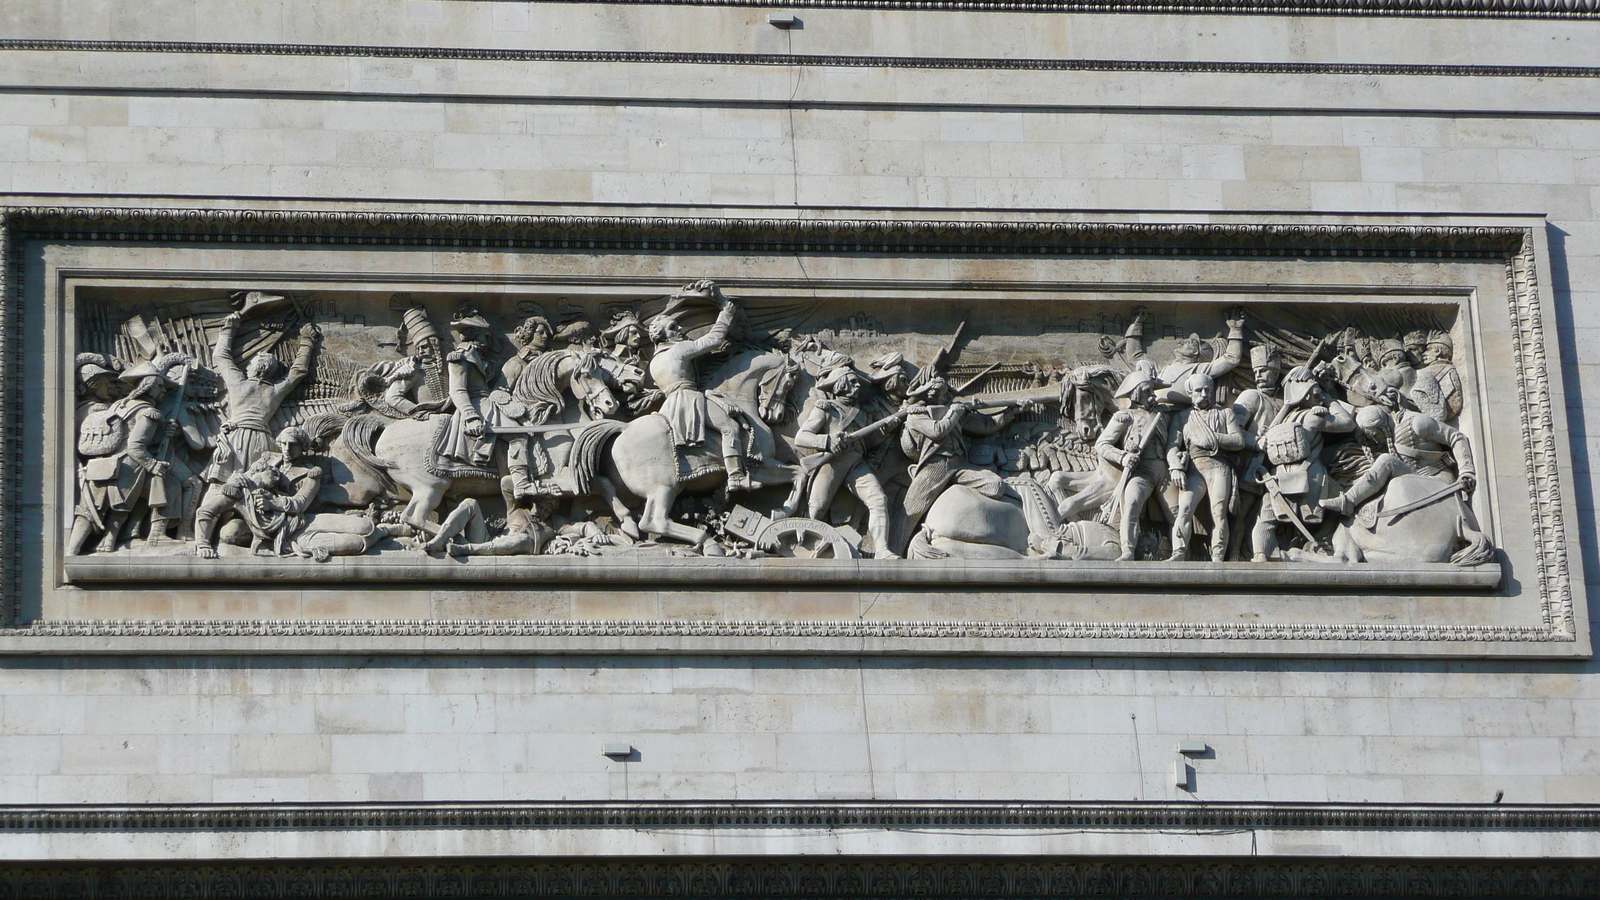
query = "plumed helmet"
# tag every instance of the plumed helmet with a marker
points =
(1298, 385)
(887, 365)
(136, 374)
(926, 380)
(621, 321)
(1442, 340)
(1389, 347)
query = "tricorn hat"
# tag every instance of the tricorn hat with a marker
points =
(136, 374)
(1138, 377)
(471, 321)
(835, 376)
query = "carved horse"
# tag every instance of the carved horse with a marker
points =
(1442, 531)
(641, 458)
(398, 455)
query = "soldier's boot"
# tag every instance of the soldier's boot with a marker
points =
(522, 483)
(738, 477)
(81, 528)
(1343, 504)
(158, 530)
(881, 548)
(109, 540)
(1180, 543)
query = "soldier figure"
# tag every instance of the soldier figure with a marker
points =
(935, 439)
(525, 532)
(687, 408)
(1394, 365)
(1134, 441)
(1256, 409)
(467, 439)
(1408, 443)
(526, 458)
(1190, 355)
(1298, 479)
(830, 418)
(1201, 441)
(1436, 359)
(121, 468)
(253, 398)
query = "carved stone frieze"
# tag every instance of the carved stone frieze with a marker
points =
(708, 434)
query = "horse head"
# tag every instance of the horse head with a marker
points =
(589, 383)
(776, 386)
(1087, 398)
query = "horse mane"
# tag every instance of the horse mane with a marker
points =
(539, 386)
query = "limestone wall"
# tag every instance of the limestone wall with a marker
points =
(1181, 140)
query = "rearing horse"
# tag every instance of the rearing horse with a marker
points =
(400, 453)
(642, 458)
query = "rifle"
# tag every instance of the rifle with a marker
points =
(812, 462)
(1157, 423)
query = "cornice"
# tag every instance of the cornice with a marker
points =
(816, 877)
(220, 817)
(1555, 9)
(768, 235)
(780, 59)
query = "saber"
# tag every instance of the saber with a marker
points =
(539, 429)
(1435, 497)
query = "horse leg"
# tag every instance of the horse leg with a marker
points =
(656, 520)
(625, 520)
(425, 498)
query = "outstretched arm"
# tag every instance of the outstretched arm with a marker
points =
(222, 354)
(1233, 351)
(717, 337)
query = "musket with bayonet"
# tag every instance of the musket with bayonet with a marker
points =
(810, 463)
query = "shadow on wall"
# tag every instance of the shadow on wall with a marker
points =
(1577, 421)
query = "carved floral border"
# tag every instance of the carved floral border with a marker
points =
(1511, 245)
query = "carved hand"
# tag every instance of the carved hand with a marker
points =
(474, 428)
(1236, 318)
(231, 321)
(158, 468)
(1469, 483)
(310, 332)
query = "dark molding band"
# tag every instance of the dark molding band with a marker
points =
(786, 236)
(779, 59)
(812, 877)
(1531, 9)
(1093, 816)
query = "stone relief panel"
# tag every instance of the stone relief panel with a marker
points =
(637, 436)
(300, 427)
